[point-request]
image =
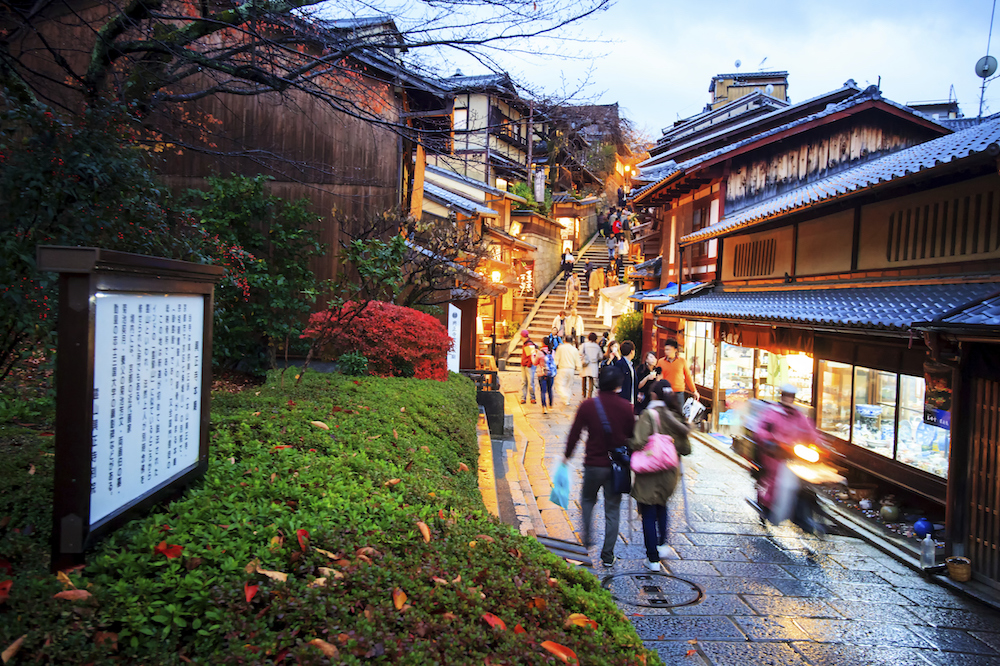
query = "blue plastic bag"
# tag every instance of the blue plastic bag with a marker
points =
(560, 486)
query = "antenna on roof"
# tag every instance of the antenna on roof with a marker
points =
(761, 65)
(769, 89)
(738, 63)
(987, 65)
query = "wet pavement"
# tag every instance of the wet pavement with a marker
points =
(734, 591)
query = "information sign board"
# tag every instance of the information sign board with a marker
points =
(147, 395)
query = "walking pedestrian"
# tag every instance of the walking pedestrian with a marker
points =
(574, 328)
(590, 360)
(612, 354)
(652, 490)
(620, 253)
(567, 359)
(675, 370)
(612, 278)
(552, 340)
(646, 375)
(612, 245)
(527, 368)
(609, 422)
(559, 322)
(595, 284)
(546, 373)
(624, 363)
(572, 292)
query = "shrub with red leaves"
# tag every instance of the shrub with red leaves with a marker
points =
(397, 341)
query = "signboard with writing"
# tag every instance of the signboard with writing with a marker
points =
(937, 394)
(132, 389)
(147, 395)
(455, 333)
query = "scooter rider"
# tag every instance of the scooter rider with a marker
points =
(778, 432)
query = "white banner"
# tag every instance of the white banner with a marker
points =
(455, 332)
(147, 395)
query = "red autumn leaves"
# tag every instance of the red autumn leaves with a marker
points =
(170, 551)
(562, 652)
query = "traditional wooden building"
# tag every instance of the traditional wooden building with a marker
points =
(871, 286)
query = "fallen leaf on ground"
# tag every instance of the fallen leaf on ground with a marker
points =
(462, 467)
(273, 575)
(580, 620)
(250, 590)
(317, 582)
(425, 449)
(485, 538)
(12, 649)
(64, 579)
(170, 551)
(425, 531)
(328, 649)
(539, 603)
(402, 409)
(31, 470)
(518, 629)
(327, 553)
(320, 425)
(449, 616)
(331, 573)
(398, 598)
(72, 595)
(395, 435)
(439, 581)
(691, 653)
(561, 651)
(391, 482)
(107, 637)
(303, 536)
(693, 641)
(494, 621)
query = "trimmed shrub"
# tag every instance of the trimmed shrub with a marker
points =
(364, 541)
(397, 341)
(353, 363)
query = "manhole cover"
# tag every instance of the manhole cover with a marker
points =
(653, 590)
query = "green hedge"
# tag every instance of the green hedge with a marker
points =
(393, 456)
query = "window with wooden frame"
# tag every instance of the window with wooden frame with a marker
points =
(700, 218)
(755, 258)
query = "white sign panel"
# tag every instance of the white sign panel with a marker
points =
(455, 332)
(147, 395)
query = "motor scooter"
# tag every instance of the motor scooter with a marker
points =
(789, 476)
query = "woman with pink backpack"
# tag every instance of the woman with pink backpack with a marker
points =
(660, 435)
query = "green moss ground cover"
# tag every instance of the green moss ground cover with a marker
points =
(303, 545)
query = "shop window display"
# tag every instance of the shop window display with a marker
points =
(776, 370)
(834, 414)
(699, 352)
(866, 413)
(920, 444)
(875, 411)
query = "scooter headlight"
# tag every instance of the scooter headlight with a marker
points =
(807, 453)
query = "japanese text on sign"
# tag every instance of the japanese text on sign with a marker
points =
(147, 395)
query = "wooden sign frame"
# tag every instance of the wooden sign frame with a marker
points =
(86, 275)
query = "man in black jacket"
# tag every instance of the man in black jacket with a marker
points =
(609, 422)
(628, 371)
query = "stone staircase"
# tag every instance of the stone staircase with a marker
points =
(540, 324)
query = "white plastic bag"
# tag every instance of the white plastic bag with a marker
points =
(693, 409)
(784, 496)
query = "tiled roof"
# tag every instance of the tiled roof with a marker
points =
(663, 294)
(360, 22)
(922, 157)
(649, 268)
(472, 182)
(893, 308)
(481, 82)
(870, 94)
(456, 202)
(983, 313)
(566, 197)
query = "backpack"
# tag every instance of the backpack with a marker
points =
(550, 365)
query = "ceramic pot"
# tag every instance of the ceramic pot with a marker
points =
(922, 527)
(889, 513)
(865, 504)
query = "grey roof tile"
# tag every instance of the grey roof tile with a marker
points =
(456, 202)
(945, 149)
(887, 308)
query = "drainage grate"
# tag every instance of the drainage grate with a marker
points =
(653, 590)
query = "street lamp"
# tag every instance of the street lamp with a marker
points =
(496, 280)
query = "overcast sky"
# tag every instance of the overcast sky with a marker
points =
(660, 56)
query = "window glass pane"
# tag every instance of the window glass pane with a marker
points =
(776, 370)
(874, 410)
(699, 352)
(920, 444)
(834, 414)
(737, 367)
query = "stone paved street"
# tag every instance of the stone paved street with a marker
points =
(772, 595)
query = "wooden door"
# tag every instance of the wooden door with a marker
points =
(984, 479)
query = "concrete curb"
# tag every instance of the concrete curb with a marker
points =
(487, 475)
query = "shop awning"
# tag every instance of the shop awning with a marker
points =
(890, 308)
(456, 202)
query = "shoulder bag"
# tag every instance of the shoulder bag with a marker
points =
(621, 473)
(659, 454)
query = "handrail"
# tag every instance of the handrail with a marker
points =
(538, 301)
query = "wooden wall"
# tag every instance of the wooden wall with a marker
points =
(786, 165)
